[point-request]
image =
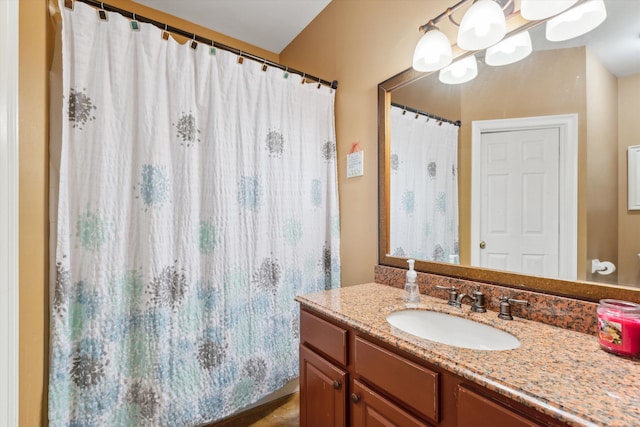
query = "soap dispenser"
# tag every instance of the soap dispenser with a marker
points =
(411, 291)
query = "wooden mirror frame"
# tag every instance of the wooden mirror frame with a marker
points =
(589, 291)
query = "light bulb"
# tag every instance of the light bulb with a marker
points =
(460, 71)
(432, 52)
(483, 25)
(534, 10)
(509, 50)
(577, 21)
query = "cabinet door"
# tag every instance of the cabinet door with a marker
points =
(323, 391)
(476, 410)
(369, 409)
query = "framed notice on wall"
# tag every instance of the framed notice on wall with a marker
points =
(633, 156)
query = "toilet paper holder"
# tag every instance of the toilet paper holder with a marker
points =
(602, 267)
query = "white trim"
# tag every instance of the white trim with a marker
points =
(9, 213)
(568, 182)
(633, 172)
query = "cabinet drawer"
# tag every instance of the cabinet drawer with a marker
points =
(325, 337)
(476, 410)
(408, 382)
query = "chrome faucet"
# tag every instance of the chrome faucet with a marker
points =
(478, 301)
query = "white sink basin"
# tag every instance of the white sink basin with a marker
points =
(452, 330)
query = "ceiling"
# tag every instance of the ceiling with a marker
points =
(273, 24)
(268, 24)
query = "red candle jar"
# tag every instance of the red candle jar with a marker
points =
(619, 327)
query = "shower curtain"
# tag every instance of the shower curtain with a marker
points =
(197, 198)
(424, 188)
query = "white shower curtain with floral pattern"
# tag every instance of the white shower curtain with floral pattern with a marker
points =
(197, 198)
(424, 188)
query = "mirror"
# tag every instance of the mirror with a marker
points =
(568, 80)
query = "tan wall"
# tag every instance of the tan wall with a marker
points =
(602, 168)
(430, 95)
(628, 221)
(360, 43)
(33, 229)
(35, 45)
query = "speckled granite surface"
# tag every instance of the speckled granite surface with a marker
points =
(568, 313)
(559, 372)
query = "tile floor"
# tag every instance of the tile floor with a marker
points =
(283, 412)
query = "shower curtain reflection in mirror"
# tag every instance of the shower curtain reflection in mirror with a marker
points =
(424, 188)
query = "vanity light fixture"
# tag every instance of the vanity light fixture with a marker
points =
(461, 71)
(483, 25)
(535, 10)
(509, 50)
(576, 21)
(433, 51)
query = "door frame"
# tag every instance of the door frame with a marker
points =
(9, 215)
(567, 182)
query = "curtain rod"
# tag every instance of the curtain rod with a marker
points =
(422, 113)
(104, 6)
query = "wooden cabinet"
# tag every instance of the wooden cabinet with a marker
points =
(370, 409)
(413, 385)
(476, 410)
(323, 391)
(348, 378)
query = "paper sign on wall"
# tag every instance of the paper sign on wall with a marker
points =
(355, 161)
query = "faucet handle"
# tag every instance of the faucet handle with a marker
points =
(505, 307)
(478, 302)
(453, 294)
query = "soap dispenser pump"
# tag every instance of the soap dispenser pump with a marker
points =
(411, 291)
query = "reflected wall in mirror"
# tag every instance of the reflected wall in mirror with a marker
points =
(555, 80)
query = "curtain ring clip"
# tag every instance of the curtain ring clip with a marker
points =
(102, 14)
(303, 81)
(194, 43)
(240, 58)
(135, 25)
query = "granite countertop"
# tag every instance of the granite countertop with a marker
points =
(558, 372)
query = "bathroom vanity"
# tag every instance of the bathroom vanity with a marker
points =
(357, 370)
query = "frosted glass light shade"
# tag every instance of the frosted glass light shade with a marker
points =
(432, 52)
(460, 71)
(509, 50)
(534, 10)
(577, 21)
(482, 26)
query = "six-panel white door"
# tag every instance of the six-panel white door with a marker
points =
(519, 201)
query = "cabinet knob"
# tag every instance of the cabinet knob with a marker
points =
(336, 384)
(355, 398)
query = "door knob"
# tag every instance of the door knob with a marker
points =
(355, 398)
(483, 245)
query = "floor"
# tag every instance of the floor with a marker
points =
(283, 412)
